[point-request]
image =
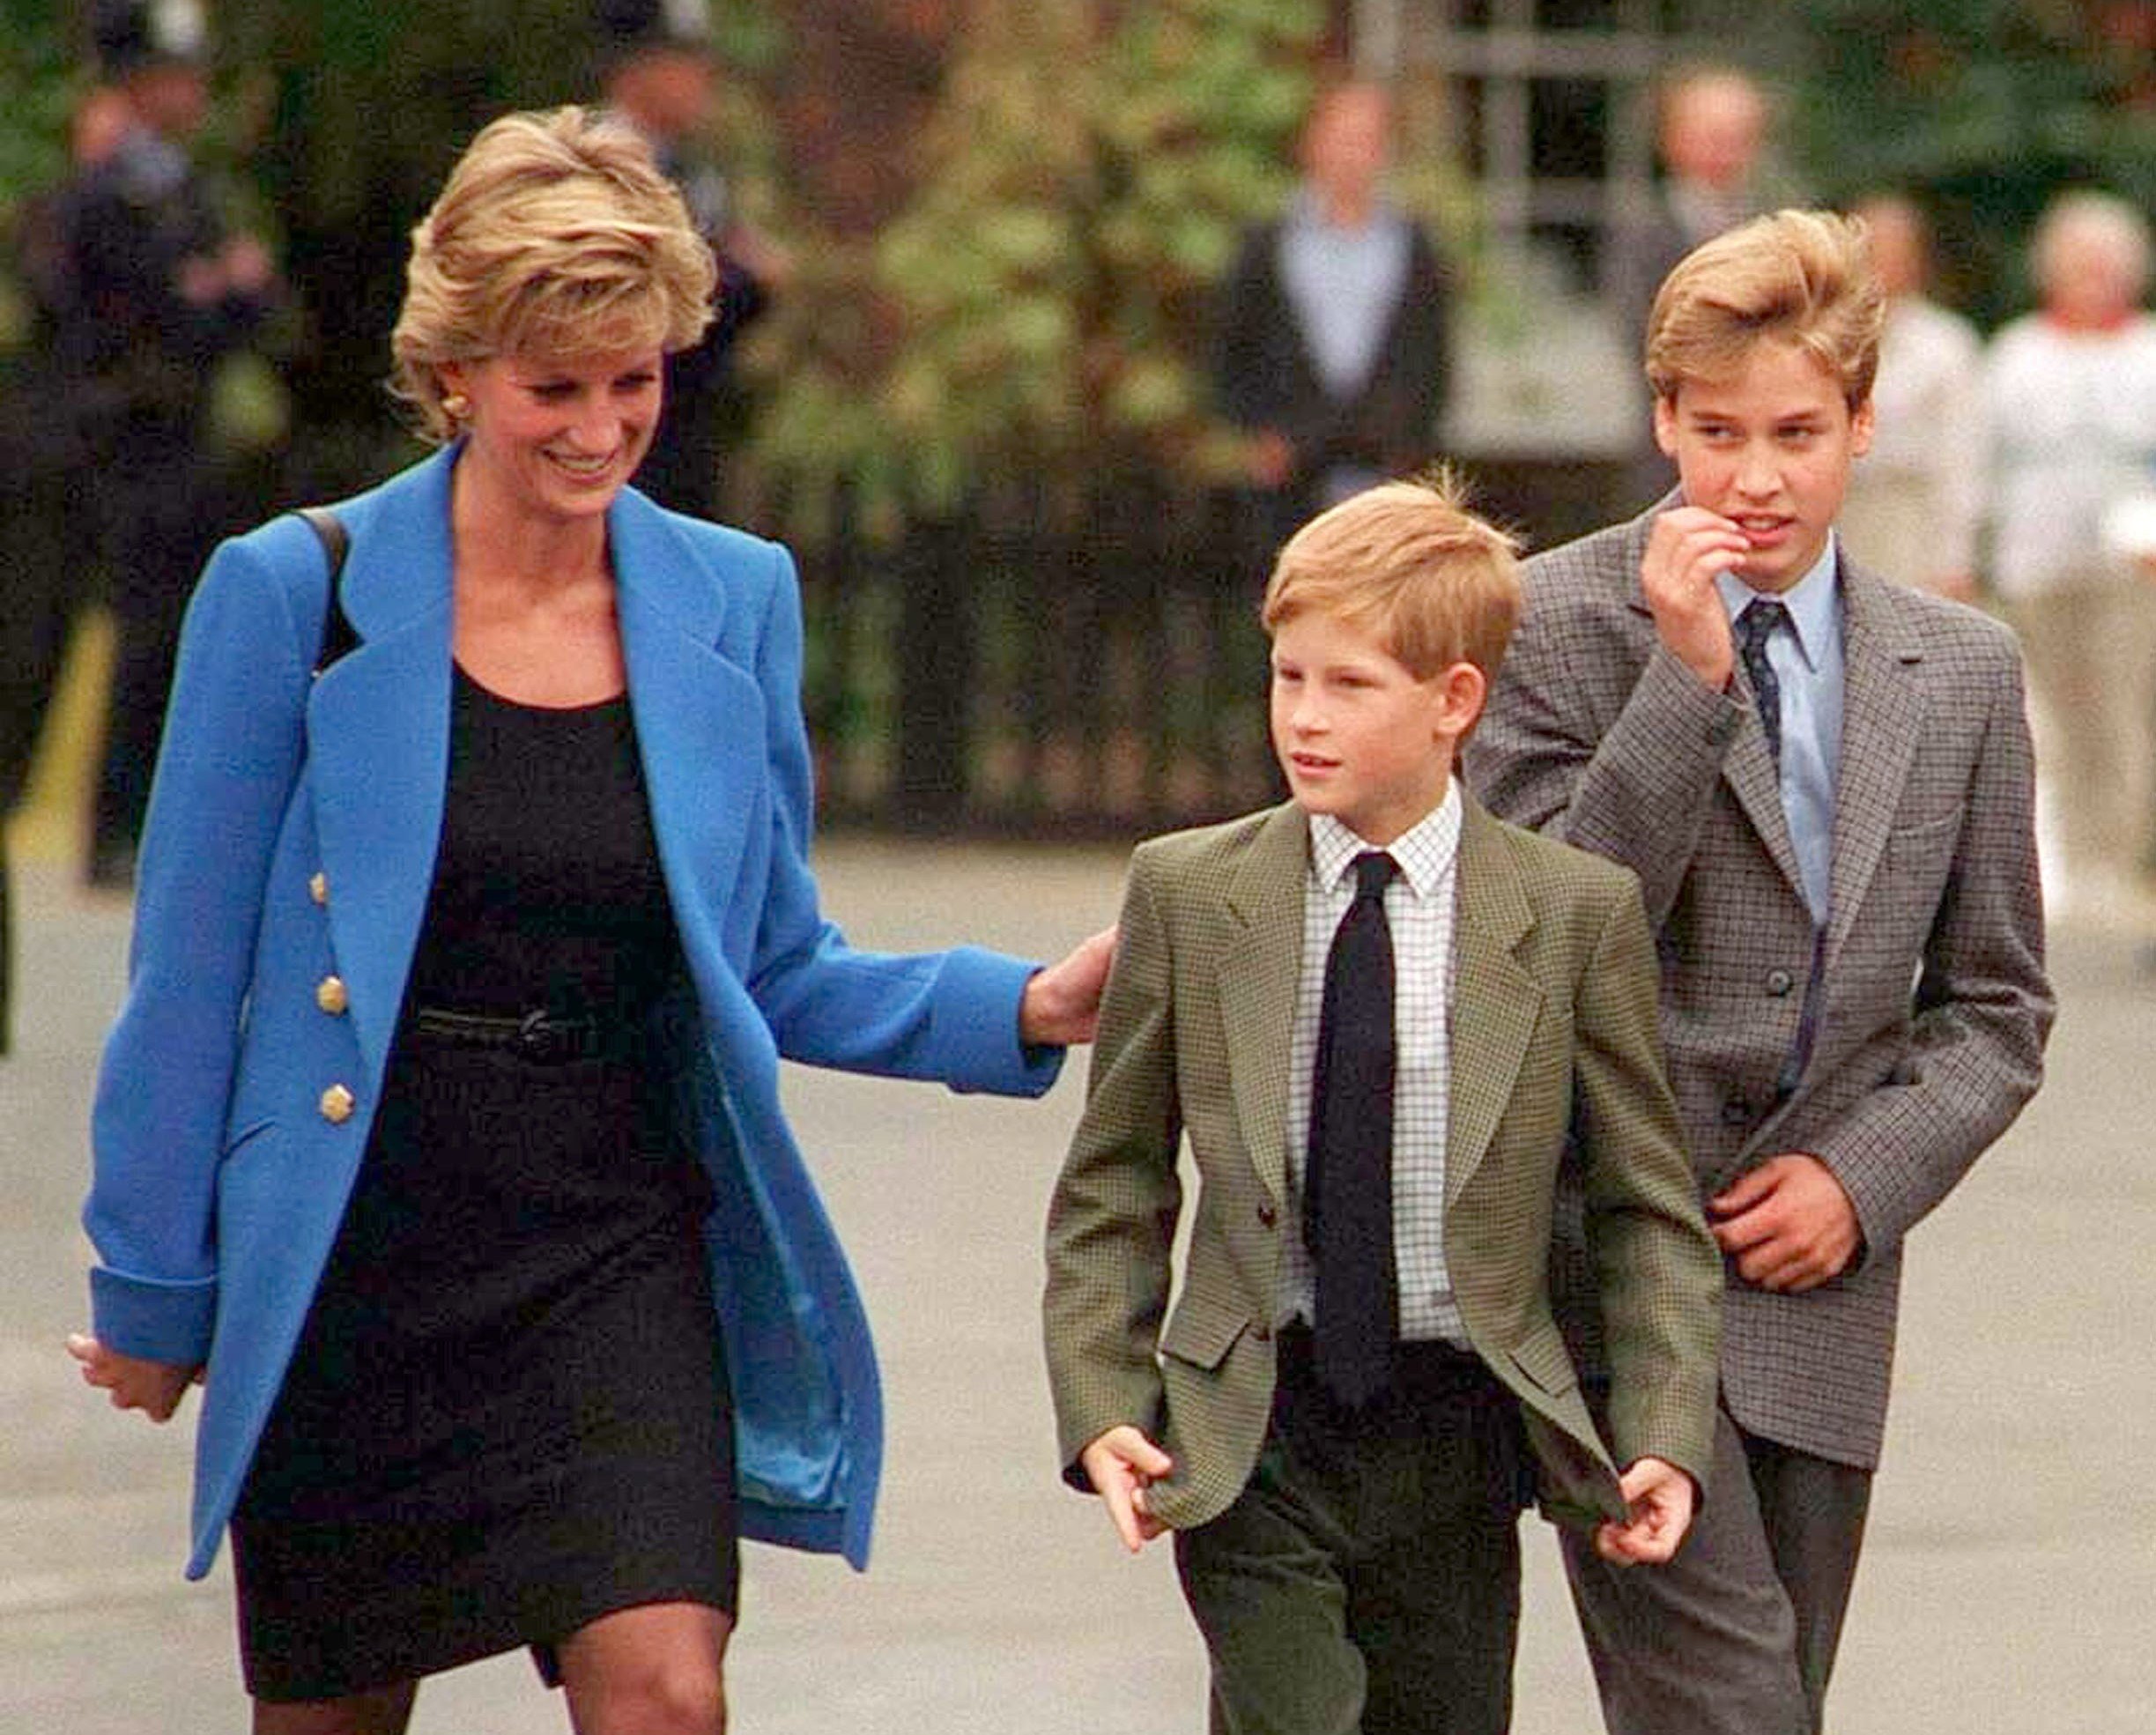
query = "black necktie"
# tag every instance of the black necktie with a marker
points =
(1754, 628)
(1349, 1189)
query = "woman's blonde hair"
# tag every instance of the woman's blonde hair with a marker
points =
(1803, 278)
(1409, 564)
(556, 235)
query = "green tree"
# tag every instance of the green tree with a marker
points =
(1984, 109)
(1035, 309)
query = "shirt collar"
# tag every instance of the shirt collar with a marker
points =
(1810, 601)
(1306, 212)
(1425, 851)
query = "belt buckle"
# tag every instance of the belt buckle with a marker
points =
(547, 1042)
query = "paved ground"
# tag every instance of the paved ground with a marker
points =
(2008, 1585)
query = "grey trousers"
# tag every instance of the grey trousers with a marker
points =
(1737, 1635)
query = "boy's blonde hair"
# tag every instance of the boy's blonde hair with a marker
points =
(556, 235)
(1409, 564)
(1802, 278)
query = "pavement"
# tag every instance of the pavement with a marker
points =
(2007, 1586)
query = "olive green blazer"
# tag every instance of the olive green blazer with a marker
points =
(1555, 1059)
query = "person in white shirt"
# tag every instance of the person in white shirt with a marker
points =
(1915, 500)
(2070, 402)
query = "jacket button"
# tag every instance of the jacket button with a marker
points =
(330, 995)
(1267, 1215)
(1779, 982)
(1735, 1112)
(337, 1105)
(318, 888)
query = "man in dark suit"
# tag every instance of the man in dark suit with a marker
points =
(1331, 351)
(1710, 131)
(154, 290)
(1823, 780)
(658, 73)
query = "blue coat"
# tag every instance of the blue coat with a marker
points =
(292, 838)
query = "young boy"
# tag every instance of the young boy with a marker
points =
(1383, 1018)
(1823, 782)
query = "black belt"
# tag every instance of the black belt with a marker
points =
(542, 1037)
(1423, 1369)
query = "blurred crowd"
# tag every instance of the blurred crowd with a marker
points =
(2017, 473)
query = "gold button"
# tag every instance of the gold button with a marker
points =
(337, 1105)
(330, 996)
(318, 888)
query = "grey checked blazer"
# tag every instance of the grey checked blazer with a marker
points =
(1932, 1004)
(1552, 1036)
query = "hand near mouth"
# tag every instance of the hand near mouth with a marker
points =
(1688, 548)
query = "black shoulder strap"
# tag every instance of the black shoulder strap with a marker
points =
(338, 636)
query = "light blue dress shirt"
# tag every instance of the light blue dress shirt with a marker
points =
(1807, 660)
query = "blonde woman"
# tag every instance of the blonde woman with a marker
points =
(439, 1135)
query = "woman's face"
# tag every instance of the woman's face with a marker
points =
(558, 439)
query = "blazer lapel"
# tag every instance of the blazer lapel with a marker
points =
(378, 742)
(1496, 1002)
(1749, 768)
(1258, 975)
(1882, 713)
(700, 716)
(1749, 771)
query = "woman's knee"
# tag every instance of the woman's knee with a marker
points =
(648, 1671)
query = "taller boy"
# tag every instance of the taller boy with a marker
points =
(1823, 783)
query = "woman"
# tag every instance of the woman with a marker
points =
(442, 1111)
(2071, 410)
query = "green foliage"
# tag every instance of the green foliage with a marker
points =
(1984, 109)
(1036, 309)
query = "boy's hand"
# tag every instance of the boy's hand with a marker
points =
(1062, 1003)
(155, 1387)
(1788, 1224)
(1688, 548)
(1121, 1464)
(1662, 1497)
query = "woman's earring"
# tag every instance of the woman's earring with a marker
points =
(455, 406)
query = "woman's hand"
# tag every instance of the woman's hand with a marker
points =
(155, 1387)
(1062, 1001)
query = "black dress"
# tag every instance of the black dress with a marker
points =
(507, 1414)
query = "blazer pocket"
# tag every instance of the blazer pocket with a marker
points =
(242, 1135)
(1542, 1357)
(1202, 1336)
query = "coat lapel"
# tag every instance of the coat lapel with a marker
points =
(1749, 768)
(378, 740)
(1258, 975)
(700, 716)
(1496, 1002)
(1882, 713)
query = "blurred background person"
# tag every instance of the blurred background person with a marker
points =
(44, 581)
(658, 71)
(1710, 134)
(1331, 351)
(151, 290)
(2070, 406)
(1915, 498)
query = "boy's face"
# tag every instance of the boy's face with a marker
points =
(1358, 737)
(1769, 449)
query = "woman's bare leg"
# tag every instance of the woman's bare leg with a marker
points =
(657, 1670)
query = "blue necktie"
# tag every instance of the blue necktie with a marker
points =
(1754, 628)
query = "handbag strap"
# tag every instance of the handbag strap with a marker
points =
(337, 635)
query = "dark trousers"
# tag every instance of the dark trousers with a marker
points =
(1737, 1635)
(1366, 1580)
(164, 519)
